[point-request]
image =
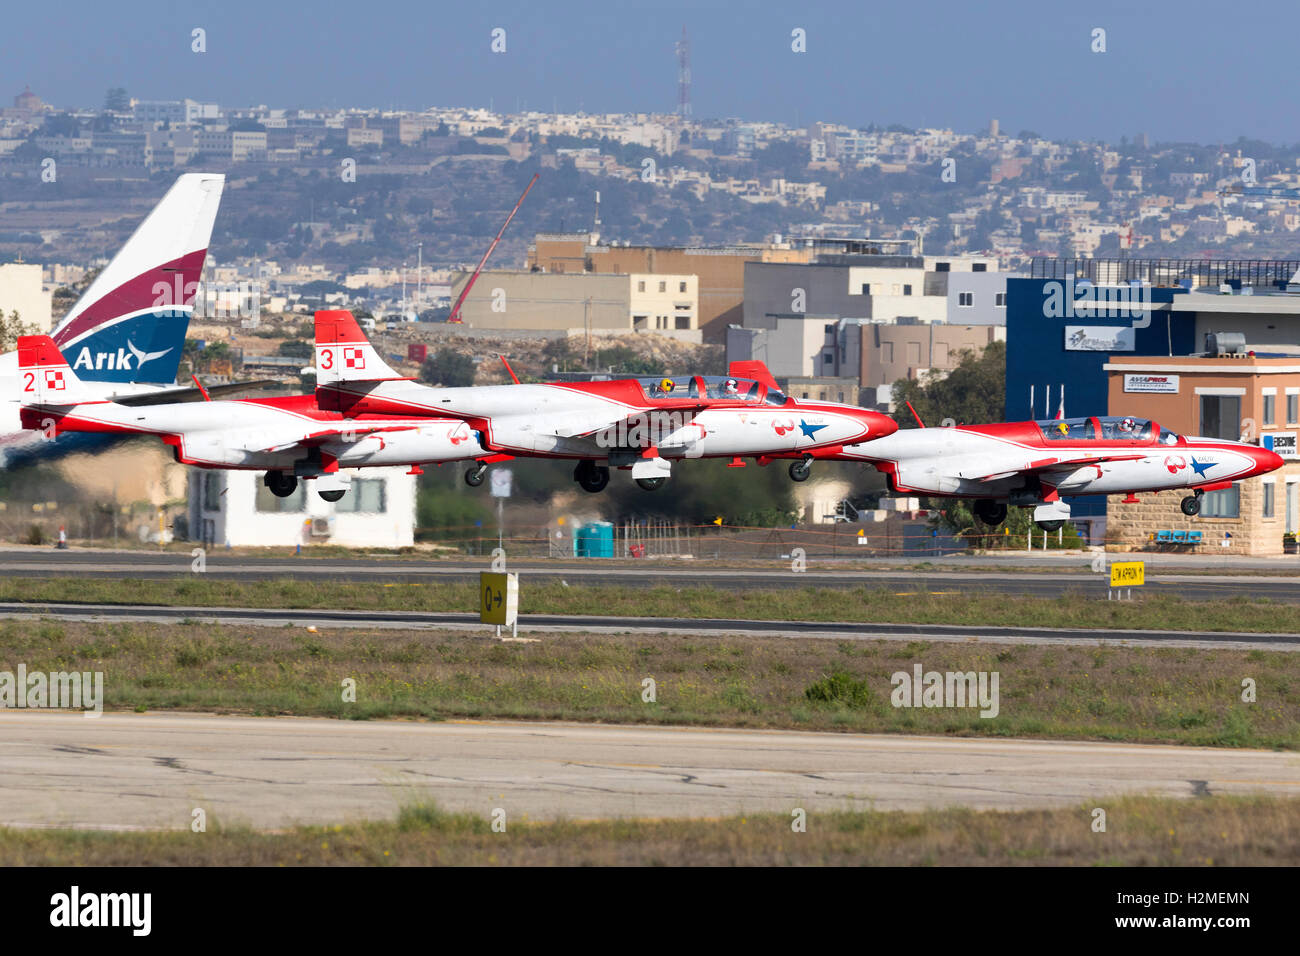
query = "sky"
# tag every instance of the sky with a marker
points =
(1187, 71)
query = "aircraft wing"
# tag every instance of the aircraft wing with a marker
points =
(167, 396)
(330, 434)
(1047, 464)
(587, 425)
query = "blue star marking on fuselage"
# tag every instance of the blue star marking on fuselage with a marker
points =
(1201, 467)
(809, 430)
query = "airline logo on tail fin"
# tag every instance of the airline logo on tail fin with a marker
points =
(344, 354)
(130, 324)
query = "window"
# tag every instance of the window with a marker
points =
(907, 290)
(866, 288)
(663, 286)
(1221, 416)
(1225, 503)
(681, 287)
(887, 352)
(1000, 300)
(913, 353)
(212, 489)
(1292, 409)
(683, 321)
(942, 266)
(979, 267)
(367, 495)
(966, 299)
(1268, 499)
(269, 503)
(1270, 403)
(828, 358)
(640, 286)
(639, 321)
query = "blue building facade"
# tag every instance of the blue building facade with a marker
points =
(1061, 332)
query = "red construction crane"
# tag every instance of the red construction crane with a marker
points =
(455, 309)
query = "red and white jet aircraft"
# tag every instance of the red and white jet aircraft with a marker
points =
(642, 424)
(288, 438)
(1031, 464)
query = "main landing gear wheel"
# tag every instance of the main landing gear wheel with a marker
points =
(1051, 525)
(992, 513)
(335, 495)
(281, 485)
(474, 476)
(590, 476)
(1191, 505)
(800, 470)
(650, 484)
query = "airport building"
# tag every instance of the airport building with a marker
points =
(719, 271)
(663, 303)
(868, 310)
(1077, 327)
(234, 508)
(1234, 395)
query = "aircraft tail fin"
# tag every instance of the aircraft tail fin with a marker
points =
(344, 354)
(44, 376)
(130, 323)
(754, 369)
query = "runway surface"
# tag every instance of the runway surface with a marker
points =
(539, 624)
(152, 771)
(1068, 575)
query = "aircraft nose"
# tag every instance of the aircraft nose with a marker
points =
(879, 425)
(1266, 461)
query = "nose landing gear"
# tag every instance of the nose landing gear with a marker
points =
(281, 484)
(992, 513)
(591, 477)
(474, 476)
(800, 470)
(1191, 505)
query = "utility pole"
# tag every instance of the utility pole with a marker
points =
(419, 277)
(586, 325)
(403, 291)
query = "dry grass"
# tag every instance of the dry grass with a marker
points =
(1141, 831)
(1178, 695)
(859, 604)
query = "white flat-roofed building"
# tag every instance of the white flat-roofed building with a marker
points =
(235, 508)
(22, 291)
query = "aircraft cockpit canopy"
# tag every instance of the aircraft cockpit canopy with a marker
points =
(722, 387)
(1109, 428)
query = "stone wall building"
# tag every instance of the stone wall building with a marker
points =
(1254, 397)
